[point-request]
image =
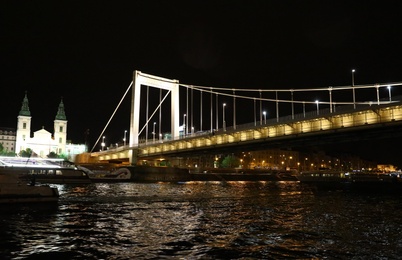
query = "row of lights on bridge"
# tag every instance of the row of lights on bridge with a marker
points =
(264, 114)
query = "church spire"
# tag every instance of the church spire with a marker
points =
(25, 108)
(61, 115)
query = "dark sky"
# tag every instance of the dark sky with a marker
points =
(86, 51)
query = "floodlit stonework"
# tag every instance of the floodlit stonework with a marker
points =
(43, 142)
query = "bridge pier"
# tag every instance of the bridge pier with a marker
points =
(134, 156)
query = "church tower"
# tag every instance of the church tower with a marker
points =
(60, 129)
(23, 126)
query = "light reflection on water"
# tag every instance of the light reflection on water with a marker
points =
(203, 220)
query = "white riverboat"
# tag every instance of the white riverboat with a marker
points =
(320, 176)
(51, 171)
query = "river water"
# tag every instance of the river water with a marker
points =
(235, 220)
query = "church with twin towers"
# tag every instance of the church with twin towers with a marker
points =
(43, 142)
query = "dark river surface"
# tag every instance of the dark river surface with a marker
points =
(235, 220)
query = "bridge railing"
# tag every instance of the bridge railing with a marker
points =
(289, 119)
(342, 109)
(376, 115)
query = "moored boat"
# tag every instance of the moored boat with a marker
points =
(354, 181)
(323, 176)
(141, 173)
(15, 190)
(41, 170)
(229, 174)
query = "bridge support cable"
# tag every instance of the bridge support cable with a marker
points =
(234, 110)
(260, 108)
(293, 109)
(188, 115)
(201, 111)
(220, 91)
(378, 94)
(212, 113)
(192, 111)
(160, 115)
(255, 113)
(146, 116)
(277, 107)
(110, 119)
(217, 112)
(153, 113)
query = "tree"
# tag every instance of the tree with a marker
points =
(5, 152)
(26, 153)
(230, 161)
(52, 155)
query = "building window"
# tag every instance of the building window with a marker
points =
(60, 140)
(61, 129)
(23, 137)
(24, 125)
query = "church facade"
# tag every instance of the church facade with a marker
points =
(43, 142)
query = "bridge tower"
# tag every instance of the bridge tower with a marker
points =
(171, 85)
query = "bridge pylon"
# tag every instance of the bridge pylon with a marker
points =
(171, 85)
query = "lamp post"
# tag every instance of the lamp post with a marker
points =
(265, 117)
(389, 93)
(124, 139)
(353, 88)
(103, 143)
(318, 109)
(223, 117)
(184, 124)
(153, 132)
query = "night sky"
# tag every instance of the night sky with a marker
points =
(86, 51)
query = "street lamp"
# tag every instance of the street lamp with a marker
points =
(184, 124)
(153, 132)
(353, 88)
(389, 93)
(124, 139)
(103, 143)
(265, 117)
(223, 116)
(318, 110)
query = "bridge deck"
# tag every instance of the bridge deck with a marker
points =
(376, 116)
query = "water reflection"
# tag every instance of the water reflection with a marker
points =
(203, 220)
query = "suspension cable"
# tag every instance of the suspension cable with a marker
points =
(110, 119)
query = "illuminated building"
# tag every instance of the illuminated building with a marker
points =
(42, 143)
(7, 139)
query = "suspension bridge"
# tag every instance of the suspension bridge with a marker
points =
(214, 119)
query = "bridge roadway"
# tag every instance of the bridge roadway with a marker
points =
(324, 127)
